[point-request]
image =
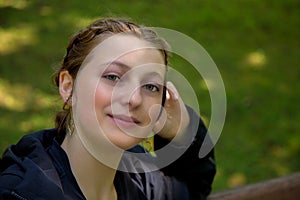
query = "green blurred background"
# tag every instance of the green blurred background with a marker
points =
(254, 43)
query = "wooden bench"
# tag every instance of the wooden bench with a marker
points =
(283, 188)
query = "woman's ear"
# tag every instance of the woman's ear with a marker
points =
(65, 86)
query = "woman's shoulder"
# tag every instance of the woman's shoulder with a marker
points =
(26, 166)
(29, 146)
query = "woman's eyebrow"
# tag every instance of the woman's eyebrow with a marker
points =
(123, 66)
(155, 75)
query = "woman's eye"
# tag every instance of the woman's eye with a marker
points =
(112, 77)
(151, 87)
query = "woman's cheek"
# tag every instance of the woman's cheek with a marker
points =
(102, 97)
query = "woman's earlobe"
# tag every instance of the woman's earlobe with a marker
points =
(65, 86)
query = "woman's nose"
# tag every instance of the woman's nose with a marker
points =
(135, 98)
(128, 94)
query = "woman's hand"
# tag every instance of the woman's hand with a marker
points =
(175, 118)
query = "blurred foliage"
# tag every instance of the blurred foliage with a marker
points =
(255, 44)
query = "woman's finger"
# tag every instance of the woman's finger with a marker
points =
(172, 91)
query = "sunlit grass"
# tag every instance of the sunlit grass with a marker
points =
(256, 59)
(19, 4)
(13, 38)
(46, 10)
(18, 97)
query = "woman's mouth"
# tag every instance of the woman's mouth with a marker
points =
(124, 120)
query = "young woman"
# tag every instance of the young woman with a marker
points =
(112, 81)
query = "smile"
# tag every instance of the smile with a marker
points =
(124, 121)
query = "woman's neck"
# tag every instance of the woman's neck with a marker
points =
(93, 177)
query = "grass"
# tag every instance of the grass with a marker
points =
(254, 43)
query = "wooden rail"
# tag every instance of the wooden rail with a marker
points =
(283, 188)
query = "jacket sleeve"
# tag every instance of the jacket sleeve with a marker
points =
(197, 173)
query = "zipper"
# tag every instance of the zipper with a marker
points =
(16, 196)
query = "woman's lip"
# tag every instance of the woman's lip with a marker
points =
(124, 120)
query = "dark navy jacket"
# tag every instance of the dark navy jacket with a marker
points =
(38, 168)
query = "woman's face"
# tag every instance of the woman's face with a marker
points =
(126, 91)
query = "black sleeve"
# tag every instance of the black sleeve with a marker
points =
(197, 173)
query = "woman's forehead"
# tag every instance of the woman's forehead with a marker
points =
(120, 44)
(127, 50)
